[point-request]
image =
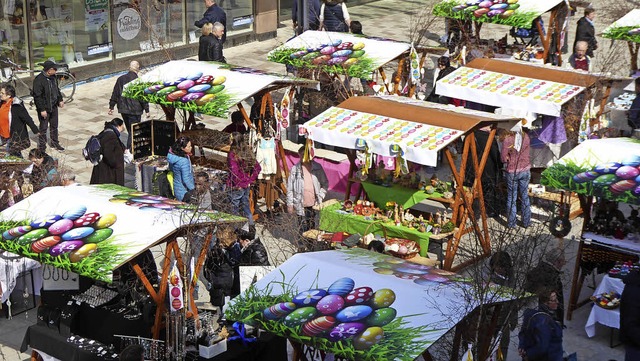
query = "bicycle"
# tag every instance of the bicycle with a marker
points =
(66, 80)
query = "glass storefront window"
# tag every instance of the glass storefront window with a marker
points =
(239, 16)
(13, 26)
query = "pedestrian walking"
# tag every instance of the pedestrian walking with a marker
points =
(217, 45)
(515, 156)
(130, 109)
(205, 48)
(585, 31)
(540, 337)
(110, 169)
(17, 118)
(213, 14)
(334, 16)
(48, 99)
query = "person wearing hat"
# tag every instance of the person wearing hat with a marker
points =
(48, 99)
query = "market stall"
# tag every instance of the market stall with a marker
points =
(627, 28)
(604, 173)
(416, 131)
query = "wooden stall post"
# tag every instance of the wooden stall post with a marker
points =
(577, 279)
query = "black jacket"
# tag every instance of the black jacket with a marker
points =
(254, 254)
(334, 18)
(46, 94)
(214, 14)
(20, 119)
(216, 50)
(111, 168)
(586, 32)
(126, 105)
(205, 49)
(630, 311)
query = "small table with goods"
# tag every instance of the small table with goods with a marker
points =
(606, 307)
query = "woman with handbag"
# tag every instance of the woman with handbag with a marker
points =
(334, 16)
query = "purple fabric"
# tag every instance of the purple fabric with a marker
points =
(553, 130)
(337, 173)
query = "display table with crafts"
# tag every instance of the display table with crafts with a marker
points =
(407, 197)
(50, 342)
(601, 315)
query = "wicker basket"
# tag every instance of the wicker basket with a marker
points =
(595, 302)
(412, 246)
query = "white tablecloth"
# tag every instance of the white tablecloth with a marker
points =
(610, 318)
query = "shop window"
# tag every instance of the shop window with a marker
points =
(239, 16)
(13, 25)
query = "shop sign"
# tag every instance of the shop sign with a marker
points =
(242, 21)
(129, 24)
(99, 48)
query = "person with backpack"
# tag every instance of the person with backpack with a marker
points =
(110, 168)
(540, 338)
(334, 16)
(180, 164)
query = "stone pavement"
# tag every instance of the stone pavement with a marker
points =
(385, 18)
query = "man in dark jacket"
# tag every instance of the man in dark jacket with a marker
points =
(630, 316)
(213, 14)
(313, 14)
(217, 44)
(48, 99)
(130, 109)
(586, 31)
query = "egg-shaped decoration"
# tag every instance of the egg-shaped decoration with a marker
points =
(350, 61)
(406, 276)
(458, 8)
(341, 286)
(605, 180)
(175, 292)
(219, 80)
(75, 212)
(493, 13)
(513, 6)
(200, 88)
(119, 196)
(116, 200)
(636, 191)
(162, 206)
(174, 279)
(65, 247)
(381, 316)
(61, 226)
(383, 271)
(173, 82)
(15, 232)
(279, 310)
(383, 297)
(176, 303)
(167, 90)
(45, 222)
(300, 316)
(344, 46)
(411, 270)
(498, 6)
(309, 297)
(87, 220)
(83, 252)
(385, 264)
(622, 186)
(322, 59)
(353, 313)
(311, 56)
(472, 2)
(186, 84)
(190, 97)
(627, 172)
(485, 4)
(33, 236)
(357, 54)
(336, 61)
(106, 220)
(176, 95)
(358, 46)
(205, 99)
(441, 272)
(318, 325)
(327, 50)
(512, 1)
(43, 244)
(585, 176)
(204, 79)
(215, 89)
(482, 11)
(506, 14)
(360, 295)
(632, 160)
(77, 233)
(330, 304)
(99, 235)
(194, 76)
(368, 338)
(336, 42)
(344, 53)
(397, 261)
(312, 49)
(139, 194)
(471, 8)
(154, 88)
(298, 54)
(344, 331)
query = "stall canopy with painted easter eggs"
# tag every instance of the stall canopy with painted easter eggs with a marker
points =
(205, 87)
(607, 168)
(92, 230)
(359, 304)
(338, 53)
(518, 13)
(626, 28)
(418, 128)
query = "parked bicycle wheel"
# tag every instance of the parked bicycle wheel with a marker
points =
(67, 85)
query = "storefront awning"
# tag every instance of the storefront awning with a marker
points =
(608, 168)
(338, 53)
(518, 13)
(92, 230)
(205, 87)
(625, 28)
(382, 123)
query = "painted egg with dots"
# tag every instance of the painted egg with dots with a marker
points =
(176, 95)
(336, 42)
(622, 186)
(345, 331)
(87, 220)
(298, 54)
(99, 235)
(368, 338)
(194, 76)
(16, 232)
(167, 90)
(627, 172)
(204, 79)
(43, 244)
(77, 233)
(585, 176)
(201, 88)
(106, 220)
(309, 297)
(190, 97)
(83, 252)
(327, 50)
(383, 297)
(74, 213)
(205, 99)
(632, 160)
(341, 286)
(359, 295)
(219, 80)
(154, 88)
(176, 303)
(45, 222)
(343, 53)
(279, 310)
(33, 236)
(345, 45)
(336, 61)
(605, 180)
(381, 316)
(186, 84)
(175, 291)
(330, 304)
(353, 313)
(300, 316)
(65, 247)
(318, 325)
(173, 82)
(61, 226)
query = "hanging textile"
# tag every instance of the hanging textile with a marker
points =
(585, 122)
(266, 157)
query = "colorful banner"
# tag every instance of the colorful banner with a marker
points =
(608, 168)
(92, 230)
(626, 28)
(518, 13)
(338, 53)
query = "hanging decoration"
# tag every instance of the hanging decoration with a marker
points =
(176, 300)
(415, 66)
(401, 166)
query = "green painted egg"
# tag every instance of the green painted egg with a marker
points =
(513, 6)
(383, 297)
(99, 235)
(357, 54)
(215, 89)
(311, 56)
(300, 316)
(381, 317)
(166, 91)
(603, 180)
(33, 236)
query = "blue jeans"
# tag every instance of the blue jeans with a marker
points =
(239, 199)
(517, 185)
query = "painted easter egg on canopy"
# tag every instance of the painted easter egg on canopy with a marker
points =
(512, 1)
(205, 99)
(310, 297)
(627, 172)
(357, 54)
(605, 180)
(204, 79)
(345, 45)
(154, 88)
(16, 232)
(321, 59)
(200, 88)
(176, 303)
(622, 186)
(106, 221)
(33, 236)
(358, 46)
(83, 252)
(330, 304)
(298, 54)
(74, 213)
(471, 8)
(65, 247)
(473, 2)
(219, 80)
(441, 272)
(411, 270)
(341, 53)
(368, 338)
(350, 61)
(359, 296)
(194, 76)
(99, 235)
(493, 13)
(632, 160)
(485, 4)
(336, 61)
(381, 316)
(87, 219)
(46, 221)
(300, 316)
(279, 310)
(353, 313)
(121, 196)
(173, 82)
(318, 325)
(506, 14)
(341, 286)
(328, 50)
(458, 8)
(585, 176)
(383, 297)
(383, 271)
(175, 292)
(405, 276)
(311, 56)
(513, 6)
(77, 233)
(191, 97)
(162, 206)
(498, 6)
(383, 264)
(482, 11)
(61, 226)
(186, 84)
(215, 89)
(176, 95)
(430, 279)
(43, 244)
(344, 331)
(636, 191)
(336, 42)
(167, 90)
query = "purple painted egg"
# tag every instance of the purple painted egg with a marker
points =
(204, 79)
(622, 186)
(405, 276)
(42, 245)
(194, 76)
(16, 232)
(74, 213)
(344, 331)
(585, 176)
(61, 226)
(344, 46)
(607, 168)
(191, 97)
(309, 298)
(381, 316)
(186, 84)
(162, 206)
(341, 53)
(493, 13)
(300, 316)
(627, 172)
(330, 304)
(498, 6)
(154, 88)
(175, 82)
(353, 313)
(636, 191)
(77, 233)
(336, 42)
(65, 247)
(46, 221)
(458, 8)
(298, 54)
(605, 180)
(383, 297)
(200, 88)
(359, 296)
(368, 338)
(485, 4)
(318, 325)
(336, 61)
(87, 219)
(321, 59)
(632, 160)
(33, 236)
(328, 50)
(341, 287)
(176, 95)
(279, 310)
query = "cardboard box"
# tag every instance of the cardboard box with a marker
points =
(213, 350)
